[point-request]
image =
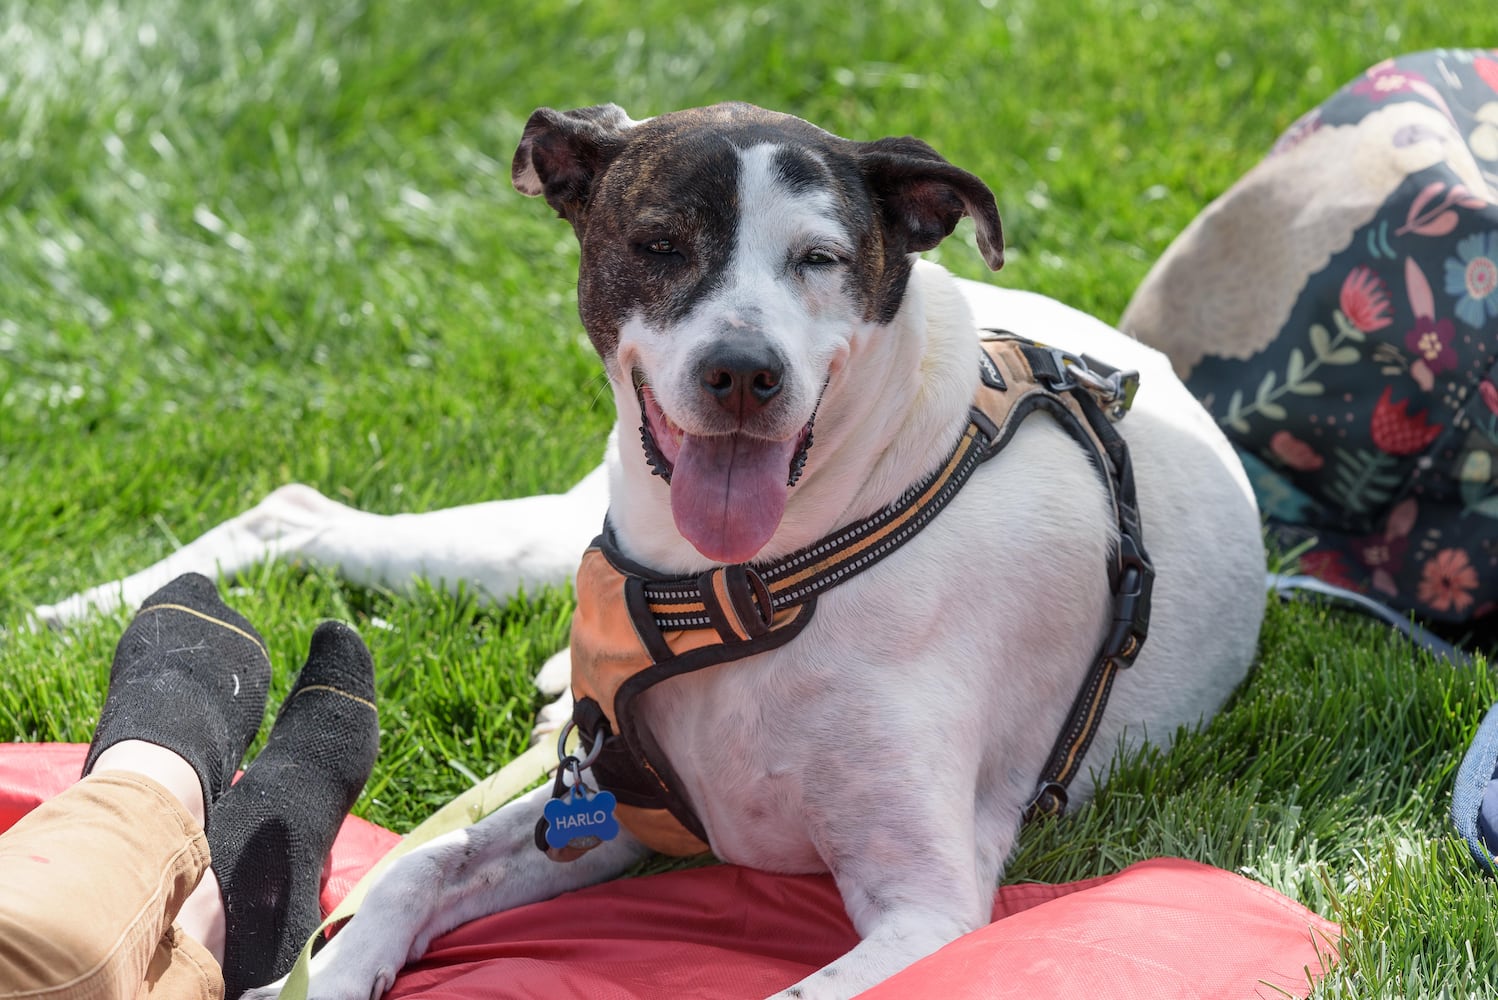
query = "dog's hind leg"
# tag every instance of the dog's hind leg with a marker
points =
(555, 681)
(491, 548)
(491, 866)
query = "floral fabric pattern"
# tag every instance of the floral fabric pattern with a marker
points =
(1369, 425)
(1473, 276)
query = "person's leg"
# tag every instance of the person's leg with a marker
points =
(270, 834)
(91, 880)
(88, 883)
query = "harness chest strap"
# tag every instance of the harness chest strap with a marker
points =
(634, 628)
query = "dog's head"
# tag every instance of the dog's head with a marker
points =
(729, 256)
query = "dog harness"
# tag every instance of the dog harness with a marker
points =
(634, 628)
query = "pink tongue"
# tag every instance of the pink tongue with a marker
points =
(728, 493)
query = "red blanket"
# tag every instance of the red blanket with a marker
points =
(1161, 928)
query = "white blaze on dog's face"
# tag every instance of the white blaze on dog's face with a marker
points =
(729, 254)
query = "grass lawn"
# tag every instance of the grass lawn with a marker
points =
(244, 242)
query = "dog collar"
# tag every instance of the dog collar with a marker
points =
(634, 628)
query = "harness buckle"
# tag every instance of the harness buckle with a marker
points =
(1131, 603)
(1061, 374)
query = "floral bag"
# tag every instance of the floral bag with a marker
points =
(1337, 312)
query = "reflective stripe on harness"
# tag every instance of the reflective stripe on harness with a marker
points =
(634, 628)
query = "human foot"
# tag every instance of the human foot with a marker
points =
(270, 835)
(190, 675)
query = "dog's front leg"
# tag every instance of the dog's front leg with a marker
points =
(914, 877)
(491, 866)
(896, 933)
(896, 942)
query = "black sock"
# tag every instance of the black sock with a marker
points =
(190, 675)
(270, 834)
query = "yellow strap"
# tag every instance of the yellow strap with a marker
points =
(467, 809)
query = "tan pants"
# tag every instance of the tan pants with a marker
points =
(90, 885)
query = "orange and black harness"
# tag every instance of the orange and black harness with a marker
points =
(634, 628)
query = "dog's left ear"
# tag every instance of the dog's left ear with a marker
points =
(922, 196)
(561, 154)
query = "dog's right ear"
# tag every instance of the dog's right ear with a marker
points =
(561, 153)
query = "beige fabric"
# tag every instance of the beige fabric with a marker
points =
(90, 884)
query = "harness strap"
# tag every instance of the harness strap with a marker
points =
(1131, 575)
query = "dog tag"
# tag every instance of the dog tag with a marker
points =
(579, 821)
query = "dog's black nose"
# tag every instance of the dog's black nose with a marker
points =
(742, 379)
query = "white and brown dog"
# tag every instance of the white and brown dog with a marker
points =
(788, 376)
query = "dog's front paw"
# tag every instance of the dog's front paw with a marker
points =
(98, 600)
(555, 676)
(554, 679)
(360, 962)
(331, 988)
(334, 984)
(552, 717)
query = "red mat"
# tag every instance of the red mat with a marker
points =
(1162, 928)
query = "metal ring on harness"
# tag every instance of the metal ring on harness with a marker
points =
(563, 756)
(1107, 387)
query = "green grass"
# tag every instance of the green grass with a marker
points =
(249, 242)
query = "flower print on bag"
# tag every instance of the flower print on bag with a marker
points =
(1447, 580)
(1365, 300)
(1383, 554)
(1362, 479)
(1363, 307)
(1294, 452)
(1476, 479)
(1430, 339)
(1302, 129)
(1396, 431)
(1483, 139)
(1487, 70)
(1489, 393)
(1472, 276)
(1386, 80)
(1428, 217)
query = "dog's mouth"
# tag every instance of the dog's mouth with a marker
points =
(728, 491)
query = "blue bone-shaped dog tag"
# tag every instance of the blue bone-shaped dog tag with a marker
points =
(580, 820)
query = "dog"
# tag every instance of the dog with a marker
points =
(787, 373)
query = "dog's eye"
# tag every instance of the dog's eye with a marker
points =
(814, 260)
(660, 246)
